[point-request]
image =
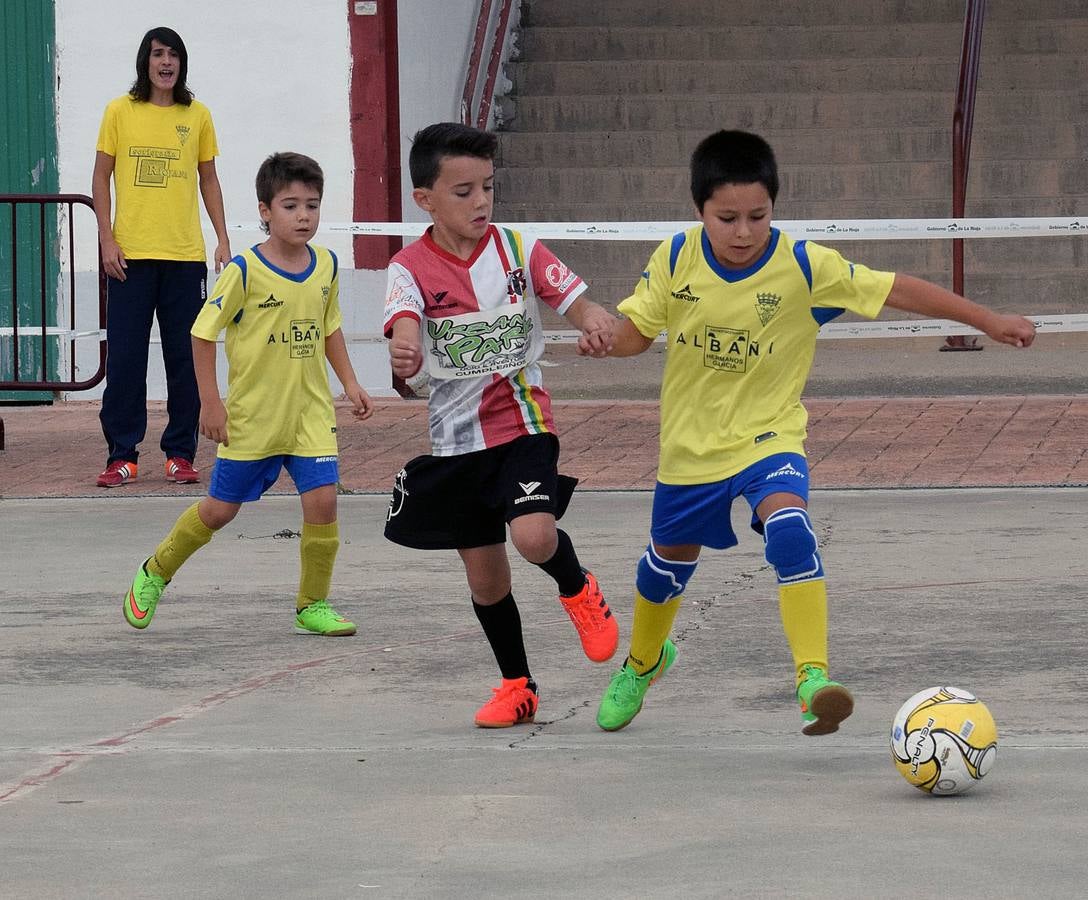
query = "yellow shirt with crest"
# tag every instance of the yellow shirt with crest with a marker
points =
(156, 150)
(278, 395)
(740, 346)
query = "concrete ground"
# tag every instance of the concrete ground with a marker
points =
(217, 754)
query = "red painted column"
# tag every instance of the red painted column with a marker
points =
(375, 125)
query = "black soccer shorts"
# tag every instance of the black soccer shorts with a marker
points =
(458, 502)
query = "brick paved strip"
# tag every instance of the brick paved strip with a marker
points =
(56, 451)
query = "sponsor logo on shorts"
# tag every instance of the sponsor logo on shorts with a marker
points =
(787, 471)
(324, 459)
(396, 502)
(527, 488)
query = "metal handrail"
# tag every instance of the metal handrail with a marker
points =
(44, 331)
(479, 117)
(963, 118)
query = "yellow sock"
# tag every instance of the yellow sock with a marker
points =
(803, 608)
(187, 536)
(320, 544)
(650, 625)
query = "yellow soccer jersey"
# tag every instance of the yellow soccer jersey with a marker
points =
(276, 322)
(156, 150)
(740, 346)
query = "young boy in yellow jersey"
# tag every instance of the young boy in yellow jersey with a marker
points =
(278, 303)
(742, 304)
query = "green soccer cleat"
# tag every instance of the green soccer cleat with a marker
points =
(320, 618)
(623, 697)
(824, 703)
(139, 605)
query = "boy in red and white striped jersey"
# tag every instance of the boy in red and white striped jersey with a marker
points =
(463, 303)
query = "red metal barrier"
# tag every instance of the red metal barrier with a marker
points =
(47, 306)
(479, 115)
(963, 119)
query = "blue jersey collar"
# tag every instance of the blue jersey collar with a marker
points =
(290, 276)
(733, 275)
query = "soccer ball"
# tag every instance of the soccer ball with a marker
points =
(944, 740)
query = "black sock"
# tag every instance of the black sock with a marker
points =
(502, 624)
(564, 566)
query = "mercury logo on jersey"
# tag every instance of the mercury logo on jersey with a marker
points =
(270, 303)
(686, 295)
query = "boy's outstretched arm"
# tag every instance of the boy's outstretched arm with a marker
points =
(336, 352)
(213, 414)
(915, 295)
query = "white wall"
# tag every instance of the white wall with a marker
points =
(276, 76)
(435, 38)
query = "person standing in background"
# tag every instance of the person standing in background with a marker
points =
(158, 144)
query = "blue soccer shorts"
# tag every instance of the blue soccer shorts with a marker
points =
(245, 480)
(700, 513)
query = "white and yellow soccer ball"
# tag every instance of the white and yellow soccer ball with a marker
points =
(944, 740)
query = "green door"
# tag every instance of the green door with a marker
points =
(28, 165)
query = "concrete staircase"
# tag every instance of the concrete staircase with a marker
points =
(856, 97)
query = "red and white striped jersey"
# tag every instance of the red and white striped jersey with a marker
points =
(482, 334)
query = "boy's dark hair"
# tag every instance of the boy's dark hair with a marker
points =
(280, 169)
(732, 157)
(141, 87)
(435, 142)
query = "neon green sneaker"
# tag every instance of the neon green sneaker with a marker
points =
(139, 605)
(623, 697)
(824, 703)
(320, 618)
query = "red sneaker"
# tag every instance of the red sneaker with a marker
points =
(118, 472)
(594, 621)
(181, 471)
(513, 702)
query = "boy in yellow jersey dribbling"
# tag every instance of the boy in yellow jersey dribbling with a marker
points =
(742, 304)
(278, 303)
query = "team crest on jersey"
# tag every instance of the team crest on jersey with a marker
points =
(183, 133)
(325, 293)
(515, 284)
(767, 305)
